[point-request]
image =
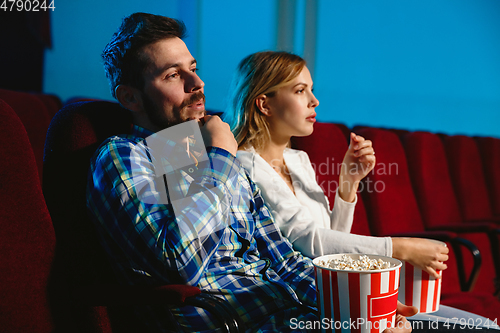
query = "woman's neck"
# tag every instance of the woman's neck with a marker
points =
(272, 153)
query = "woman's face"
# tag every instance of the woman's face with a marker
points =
(290, 112)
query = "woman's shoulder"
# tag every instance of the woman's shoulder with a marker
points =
(246, 156)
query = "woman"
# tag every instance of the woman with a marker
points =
(271, 101)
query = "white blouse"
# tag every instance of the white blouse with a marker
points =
(305, 218)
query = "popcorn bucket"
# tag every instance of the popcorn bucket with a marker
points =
(419, 289)
(356, 300)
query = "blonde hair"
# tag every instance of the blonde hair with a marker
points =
(261, 73)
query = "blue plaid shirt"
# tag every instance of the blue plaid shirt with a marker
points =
(222, 238)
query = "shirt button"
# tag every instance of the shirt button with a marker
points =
(190, 170)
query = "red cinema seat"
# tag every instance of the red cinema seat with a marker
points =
(467, 175)
(35, 118)
(440, 210)
(490, 154)
(393, 210)
(27, 238)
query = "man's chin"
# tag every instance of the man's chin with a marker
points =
(197, 116)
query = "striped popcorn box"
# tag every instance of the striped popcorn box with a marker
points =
(357, 300)
(419, 289)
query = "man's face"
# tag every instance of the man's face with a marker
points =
(173, 92)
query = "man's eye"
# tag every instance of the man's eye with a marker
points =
(172, 76)
(194, 70)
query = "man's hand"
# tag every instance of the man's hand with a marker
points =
(402, 325)
(217, 133)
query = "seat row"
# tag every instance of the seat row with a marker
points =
(426, 185)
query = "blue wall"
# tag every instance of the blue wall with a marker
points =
(428, 64)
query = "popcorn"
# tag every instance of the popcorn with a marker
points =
(364, 263)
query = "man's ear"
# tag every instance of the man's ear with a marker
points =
(129, 97)
(262, 103)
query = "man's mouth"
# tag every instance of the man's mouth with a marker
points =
(199, 104)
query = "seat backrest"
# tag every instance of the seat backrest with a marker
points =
(388, 194)
(27, 238)
(35, 118)
(467, 177)
(326, 148)
(431, 180)
(430, 177)
(490, 154)
(387, 190)
(74, 134)
(52, 102)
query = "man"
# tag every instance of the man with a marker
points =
(201, 222)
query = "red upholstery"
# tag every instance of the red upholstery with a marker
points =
(74, 134)
(52, 102)
(34, 117)
(27, 238)
(387, 193)
(327, 158)
(393, 209)
(440, 210)
(490, 154)
(468, 179)
(345, 130)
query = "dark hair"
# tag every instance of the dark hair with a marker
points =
(123, 62)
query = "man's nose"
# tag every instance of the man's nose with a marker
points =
(194, 83)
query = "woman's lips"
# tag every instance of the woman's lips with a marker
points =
(312, 119)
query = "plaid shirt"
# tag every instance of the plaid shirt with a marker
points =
(213, 232)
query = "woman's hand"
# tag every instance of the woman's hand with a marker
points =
(359, 160)
(423, 253)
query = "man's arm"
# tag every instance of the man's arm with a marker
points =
(161, 242)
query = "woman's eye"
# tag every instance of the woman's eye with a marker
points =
(300, 91)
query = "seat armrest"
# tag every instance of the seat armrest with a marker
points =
(118, 295)
(174, 295)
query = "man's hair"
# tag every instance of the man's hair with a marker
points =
(122, 56)
(257, 74)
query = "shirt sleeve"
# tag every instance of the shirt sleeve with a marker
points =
(124, 196)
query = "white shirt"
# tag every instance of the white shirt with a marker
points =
(305, 218)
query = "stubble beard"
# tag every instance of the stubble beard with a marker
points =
(160, 119)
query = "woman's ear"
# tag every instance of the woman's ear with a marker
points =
(129, 97)
(262, 103)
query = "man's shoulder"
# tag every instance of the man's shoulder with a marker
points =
(118, 145)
